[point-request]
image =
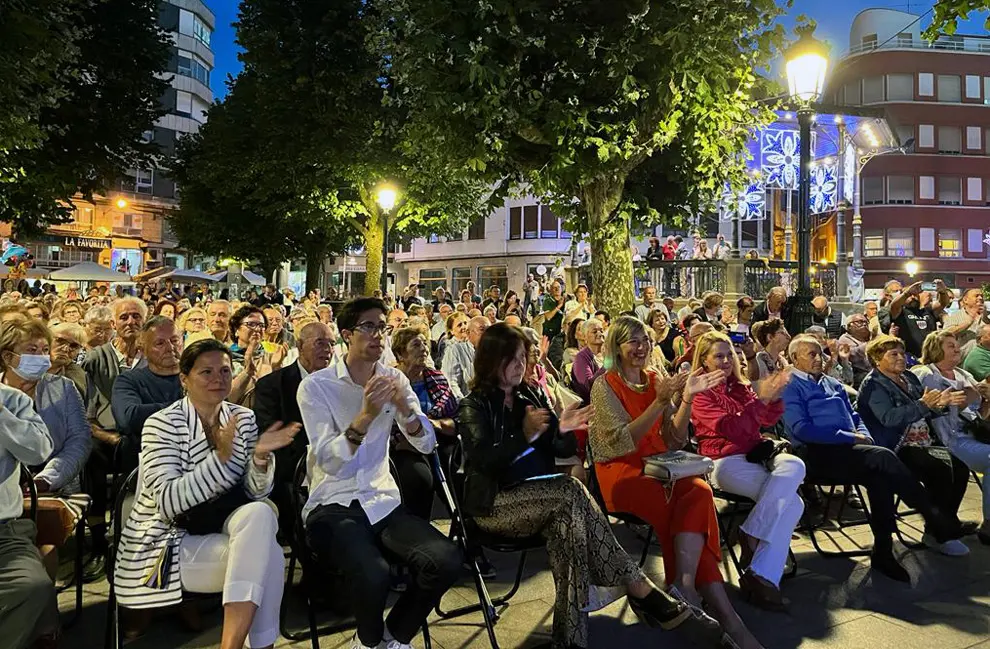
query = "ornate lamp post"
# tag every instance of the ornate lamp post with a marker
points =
(807, 65)
(386, 200)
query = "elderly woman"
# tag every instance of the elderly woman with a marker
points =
(166, 308)
(68, 340)
(590, 361)
(199, 522)
(25, 358)
(250, 360)
(941, 355)
(634, 417)
(900, 412)
(99, 326)
(38, 310)
(727, 421)
(574, 340)
(511, 439)
(192, 321)
(773, 339)
(70, 311)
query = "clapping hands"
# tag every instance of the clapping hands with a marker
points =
(773, 386)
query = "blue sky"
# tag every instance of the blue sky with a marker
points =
(833, 16)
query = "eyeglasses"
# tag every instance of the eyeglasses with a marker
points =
(196, 320)
(373, 328)
(71, 344)
(254, 324)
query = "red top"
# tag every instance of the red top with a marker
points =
(727, 419)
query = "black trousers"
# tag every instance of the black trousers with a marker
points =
(346, 542)
(880, 472)
(415, 478)
(944, 475)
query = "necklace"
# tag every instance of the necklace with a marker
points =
(638, 387)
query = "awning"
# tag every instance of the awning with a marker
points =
(187, 276)
(256, 280)
(89, 271)
(153, 274)
(125, 244)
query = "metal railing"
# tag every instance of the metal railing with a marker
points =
(760, 276)
(951, 43)
(684, 278)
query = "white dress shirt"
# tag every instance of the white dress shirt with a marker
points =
(330, 401)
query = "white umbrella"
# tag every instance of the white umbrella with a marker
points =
(88, 271)
(187, 276)
(252, 278)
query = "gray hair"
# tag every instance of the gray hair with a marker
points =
(798, 341)
(70, 330)
(816, 330)
(531, 335)
(130, 301)
(98, 315)
(584, 326)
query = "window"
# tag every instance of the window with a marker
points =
(986, 90)
(949, 87)
(476, 231)
(183, 103)
(926, 136)
(531, 215)
(869, 42)
(548, 223)
(432, 279)
(564, 234)
(459, 278)
(493, 275)
(852, 94)
(201, 32)
(873, 90)
(905, 133)
(433, 238)
(139, 181)
(926, 239)
(872, 190)
(900, 242)
(973, 134)
(949, 191)
(190, 65)
(873, 243)
(972, 86)
(904, 39)
(926, 188)
(900, 190)
(949, 139)
(974, 189)
(926, 84)
(900, 87)
(515, 223)
(974, 240)
(949, 243)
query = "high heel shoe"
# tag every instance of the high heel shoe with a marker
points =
(702, 629)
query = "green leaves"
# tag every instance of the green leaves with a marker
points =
(947, 13)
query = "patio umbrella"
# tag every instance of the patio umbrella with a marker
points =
(252, 278)
(188, 276)
(13, 250)
(89, 271)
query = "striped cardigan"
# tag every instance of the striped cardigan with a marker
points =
(178, 471)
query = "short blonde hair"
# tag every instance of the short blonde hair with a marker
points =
(188, 314)
(933, 349)
(70, 330)
(876, 348)
(621, 331)
(19, 330)
(704, 347)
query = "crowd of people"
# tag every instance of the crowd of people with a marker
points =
(216, 402)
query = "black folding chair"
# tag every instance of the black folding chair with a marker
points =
(624, 517)
(114, 635)
(28, 486)
(813, 528)
(728, 523)
(304, 555)
(470, 539)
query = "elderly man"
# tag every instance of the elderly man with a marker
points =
(967, 321)
(856, 336)
(826, 318)
(397, 319)
(837, 448)
(891, 290)
(697, 330)
(977, 361)
(777, 305)
(458, 359)
(218, 320)
(648, 304)
(440, 325)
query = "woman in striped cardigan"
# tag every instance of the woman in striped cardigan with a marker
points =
(199, 450)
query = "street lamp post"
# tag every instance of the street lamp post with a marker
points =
(386, 201)
(807, 64)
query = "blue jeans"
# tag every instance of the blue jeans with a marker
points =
(346, 543)
(976, 455)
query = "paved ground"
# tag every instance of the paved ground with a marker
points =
(834, 603)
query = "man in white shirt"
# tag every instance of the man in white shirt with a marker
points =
(354, 514)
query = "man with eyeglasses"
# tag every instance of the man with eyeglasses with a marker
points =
(68, 340)
(354, 516)
(857, 335)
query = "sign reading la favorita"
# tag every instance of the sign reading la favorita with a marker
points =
(87, 242)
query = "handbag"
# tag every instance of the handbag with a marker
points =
(674, 465)
(767, 450)
(978, 429)
(209, 517)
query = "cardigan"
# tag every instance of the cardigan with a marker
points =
(887, 410)
(24, 439)
(817, 411)
(727, 419)
(178, 470)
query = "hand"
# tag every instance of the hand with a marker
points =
(952, 398)
(772, 386)
(574, 417)
(914, 289)
(844, 353)
(279, 356)
(224, 439)
(249, 354)
(544, 346)
(275, 437)
(895, 330)
(699, 381)
(41, 486)
(863, 439)
(377, 393)
(535, 423)
(931, 398)
(666, 388)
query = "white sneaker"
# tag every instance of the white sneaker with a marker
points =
(357, 644)
(395, 644)
(953, 548)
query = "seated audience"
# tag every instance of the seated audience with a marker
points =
(68, 342)
(773, 338)
(354, 516)
(510, 443)
(666, 335)
(898, 412)
(941, 354)
(458, 358)
(28, 609)
(697, 330)
(589, 362)
(573, 341)
(200, 523)
(218, 320)
(727, 420)
(711, 307)
(856, 337)
(837, 355)
(826, 317)
(966, 322)
(977, 361)
(193, 323)
(837, 448)
(99, 325)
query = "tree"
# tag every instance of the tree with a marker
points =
(96, 98)
(946, 15)
(574, 97)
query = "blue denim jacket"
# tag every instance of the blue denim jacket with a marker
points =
(887, 410)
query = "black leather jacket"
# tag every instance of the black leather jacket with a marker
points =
(493, 439)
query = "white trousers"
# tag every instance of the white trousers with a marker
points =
(778, 507)
(244, 563)
(976, 455)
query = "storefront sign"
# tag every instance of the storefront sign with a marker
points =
(87, 242)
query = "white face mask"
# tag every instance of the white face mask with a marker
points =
(32, 366)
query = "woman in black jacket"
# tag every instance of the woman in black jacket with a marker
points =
(512, 488)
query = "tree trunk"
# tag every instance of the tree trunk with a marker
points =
(373, 242)
(611, 260)
(315, 254)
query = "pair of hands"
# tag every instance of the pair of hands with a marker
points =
(689, 384)
(773, 386)
(537, 420)
(380, 391)
(944, 398)
(275, 437)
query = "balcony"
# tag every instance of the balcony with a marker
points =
(973, 44)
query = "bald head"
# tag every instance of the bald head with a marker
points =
(820, 303)
(314, 341)
(513, 319)
(476, 329)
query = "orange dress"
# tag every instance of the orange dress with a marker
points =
(690, 508)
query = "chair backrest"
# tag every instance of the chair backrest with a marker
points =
(593, 485)
(27, 483)
(123, 502)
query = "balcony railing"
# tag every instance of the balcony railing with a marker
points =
(951, 43)
(761, 276)
(685, 278)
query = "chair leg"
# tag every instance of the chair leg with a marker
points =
(78, 570)
(427, 642)
(646, 547)
(810, 526)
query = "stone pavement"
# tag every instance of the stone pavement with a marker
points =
(836, 603)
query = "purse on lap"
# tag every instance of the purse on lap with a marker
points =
(675, 465)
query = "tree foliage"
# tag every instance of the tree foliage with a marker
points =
(576, 98)
(946, 15)
(81, 83)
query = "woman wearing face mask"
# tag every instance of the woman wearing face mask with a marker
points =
(25, 348)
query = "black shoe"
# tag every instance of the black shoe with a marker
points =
(667, 611)
(399, 582)
(486, 569)
(95, 569)
(968, 528)
(887, 565)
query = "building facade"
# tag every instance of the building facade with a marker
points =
(931, 203)
(125, 229)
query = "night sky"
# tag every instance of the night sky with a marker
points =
(834, 18)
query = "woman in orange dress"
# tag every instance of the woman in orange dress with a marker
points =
(638, 413)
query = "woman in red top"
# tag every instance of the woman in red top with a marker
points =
(727, 421)
(635, 416)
